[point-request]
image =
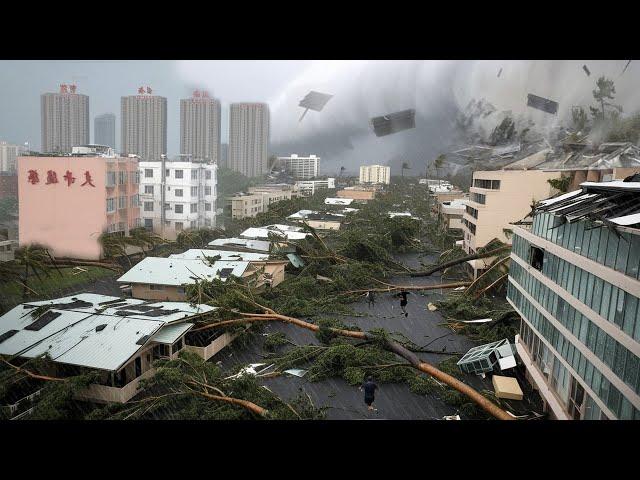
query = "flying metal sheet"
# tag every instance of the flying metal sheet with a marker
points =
(394, 122)
(315, 101)
(543, 104)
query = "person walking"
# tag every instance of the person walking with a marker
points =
(403, 301)
(369, 388)
(371, 298)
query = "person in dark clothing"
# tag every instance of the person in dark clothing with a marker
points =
(403, 302)
(371, 298)
(369, 388)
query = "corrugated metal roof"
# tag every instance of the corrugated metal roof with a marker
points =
(170, 333)
(259, 245)
(178, 271)
(265, 231)
(198, 253)
(95, 336)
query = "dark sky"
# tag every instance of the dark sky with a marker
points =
(22, 82)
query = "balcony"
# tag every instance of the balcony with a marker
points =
(107, 394)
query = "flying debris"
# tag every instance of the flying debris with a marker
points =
(499, 73)
(314, 101)
(394, 122)
(625, 67)
(586, 70)
(543, 104)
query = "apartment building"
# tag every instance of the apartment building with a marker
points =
(104, 130)
(301, 168)
(200, 121)
(177, 195)
(8, 155)
(143, 123)
(574, 281)
(308, 188)
(248, 138)
(64, 120)
(360, 195)
(375, 174)
(257, 200)
(67, 201)
(450, 215)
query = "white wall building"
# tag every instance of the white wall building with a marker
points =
(8, 155)
(302, 168)
(310, 187)
(189, 196)
(375, 174)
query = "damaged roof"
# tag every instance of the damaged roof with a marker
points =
(180, 271)
(610, 203)
(90, 330)
(257, 245)
(199, 253)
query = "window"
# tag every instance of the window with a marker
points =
(194, 190)
(148, 189)
(472, 211)
(148, 206)
(479, 198)
(122, 178)
(178, 225)
(148, 223)
(207, 207)
(153, 286)
(537, 257)
(148, 173)
(160, 351)
(178, 173)
(193, 224)
(166, 172)
(111, 179)
(177, 346)
(488, 184)
(178, 192)
(178, 208)
(194, 208)
(135, 179)
(194, 174)
(207, 174)
(122, 202)
(111, 204)
(135, 201)
(207, 190)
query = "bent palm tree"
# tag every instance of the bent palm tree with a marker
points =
(114, 246)
(33, 257)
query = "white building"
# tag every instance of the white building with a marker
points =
(303, 168)
(189, 196)
(8, 155)
(375, 174)
(310, 187)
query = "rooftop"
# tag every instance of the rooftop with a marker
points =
(199, 253)
(338, 201)
(286, 231)
(258, 245)
(181, 271)
(93, 331)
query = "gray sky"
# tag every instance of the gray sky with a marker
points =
(22, 82)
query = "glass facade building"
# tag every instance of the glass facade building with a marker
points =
(575, 285)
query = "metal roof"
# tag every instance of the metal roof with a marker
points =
(259, 245)
(338, 201)
(263, 232)
(179, 271)
(171, 333)
(92, 330)
(199, 253)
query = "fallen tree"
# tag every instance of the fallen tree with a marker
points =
(387, 343)
(458, 261)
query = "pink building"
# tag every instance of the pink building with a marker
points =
(67, 201)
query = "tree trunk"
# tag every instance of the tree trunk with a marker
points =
(458, 261)
(390, 345)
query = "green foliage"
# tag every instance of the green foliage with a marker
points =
(8, 208)
(605, 90)
(230, 182)
(273, 341)
(580, 119)
(625, 130)
(561, 184)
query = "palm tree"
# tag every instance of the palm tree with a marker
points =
(142, 237)
(439, 162)
(342, 169)
(34, 257)
(114, 246)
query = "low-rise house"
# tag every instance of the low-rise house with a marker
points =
(226, 255)
(155, 278)
(338, 201)
(118, 337)
(358, 194)
(324, 221)
(286, 232)
(310, 187)
(241, 244)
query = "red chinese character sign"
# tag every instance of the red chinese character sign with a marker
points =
(87, 179)
(52, 177)
(69, 178)
(33, 177)
(141, 91)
